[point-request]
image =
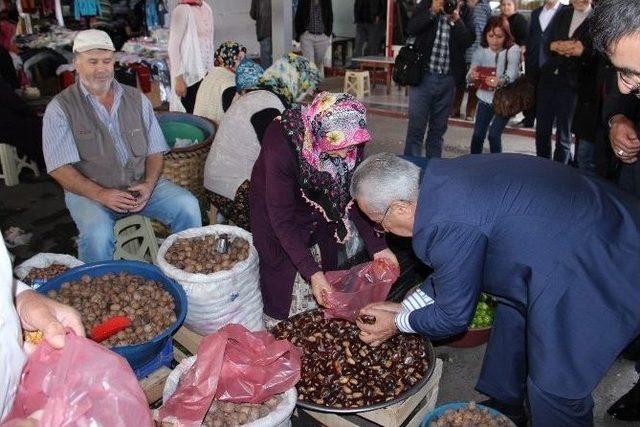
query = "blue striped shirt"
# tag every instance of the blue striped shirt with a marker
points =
(413, 302)
(59, 147)
(481, 14)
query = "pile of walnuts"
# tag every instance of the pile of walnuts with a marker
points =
(340, 371)
(199, 254)
(471, 415)
(145, 302)
(44, 273)
(227, 414)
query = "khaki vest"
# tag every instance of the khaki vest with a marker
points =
(98, 157)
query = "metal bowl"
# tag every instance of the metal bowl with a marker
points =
(431, 359)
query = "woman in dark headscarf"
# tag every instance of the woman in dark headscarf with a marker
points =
(217, 89)
(300, 198)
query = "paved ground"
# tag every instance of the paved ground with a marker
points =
(39, 208)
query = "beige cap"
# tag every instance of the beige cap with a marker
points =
(92, 39)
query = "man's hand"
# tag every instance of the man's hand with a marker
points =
(320, 287)
(39, 313)
(574, 48)
(436, 6)
(117, 200)
(561, 46)
(145, 189)
(455, 16)
(387, 254)
(181, 87)
(624, 139)
(384, 326)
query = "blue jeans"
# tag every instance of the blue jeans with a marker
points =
(266, 58)
(169, 203)
(429, 103)
(556, 103)
(585, 155)
(485, 117)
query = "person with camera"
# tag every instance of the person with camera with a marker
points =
(443, 30)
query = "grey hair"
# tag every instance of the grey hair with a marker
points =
(383, 179)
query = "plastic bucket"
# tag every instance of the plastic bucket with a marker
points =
(139, 354)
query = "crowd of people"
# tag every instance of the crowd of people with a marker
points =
(557, 246)
(555, 49)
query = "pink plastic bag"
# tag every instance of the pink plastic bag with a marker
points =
(82, 384)
(361, 285)
(234, 365)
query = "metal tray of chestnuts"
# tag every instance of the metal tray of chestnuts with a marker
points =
(342, 374)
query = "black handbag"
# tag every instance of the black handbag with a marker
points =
(409, 66)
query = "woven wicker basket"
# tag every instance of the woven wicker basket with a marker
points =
(185, 166)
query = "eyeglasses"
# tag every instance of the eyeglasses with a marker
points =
(631, 80)
(379, 227)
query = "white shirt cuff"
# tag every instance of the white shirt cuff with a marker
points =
(413, 302)
(402, 322)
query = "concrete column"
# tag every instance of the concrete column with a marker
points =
(281, 27)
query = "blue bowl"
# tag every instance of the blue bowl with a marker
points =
(139, 354)
(440, 410)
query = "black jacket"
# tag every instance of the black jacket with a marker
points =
(365, 11)
(519, 28)
(536, 55)
(303, 14)
(562, 70)
(629, 105)
(424, 25)
(261, 13)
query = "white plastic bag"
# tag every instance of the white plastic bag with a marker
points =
(44, 260)
(217, 299)
(280, 417)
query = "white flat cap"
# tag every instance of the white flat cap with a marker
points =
(92, 39)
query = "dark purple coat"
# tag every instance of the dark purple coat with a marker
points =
(284, 226)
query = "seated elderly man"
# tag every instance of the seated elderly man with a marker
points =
(103, 144)
(558, 249)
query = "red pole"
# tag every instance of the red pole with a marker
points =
(390, 27)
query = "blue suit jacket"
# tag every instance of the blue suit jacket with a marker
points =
(560, 246)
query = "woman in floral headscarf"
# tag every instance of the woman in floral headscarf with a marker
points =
(236, 145)
(300, 198)
(290, 77)
(217, 89)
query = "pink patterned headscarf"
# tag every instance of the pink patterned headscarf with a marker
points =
(333, 121)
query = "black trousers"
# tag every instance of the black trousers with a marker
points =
(189, 100)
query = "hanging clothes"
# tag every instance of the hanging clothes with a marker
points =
(151, 14)
(162, 13)
(86, 8)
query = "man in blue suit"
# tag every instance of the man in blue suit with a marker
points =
(559, 250)
(536, 54)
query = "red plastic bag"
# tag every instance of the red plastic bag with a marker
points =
(361, 285)
(82, 384)
(234, 365)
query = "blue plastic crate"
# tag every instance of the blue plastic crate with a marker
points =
(164, 358)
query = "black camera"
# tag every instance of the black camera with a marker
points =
(449, 6)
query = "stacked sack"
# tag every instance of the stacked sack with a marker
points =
(216, 298)
(43, 267)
